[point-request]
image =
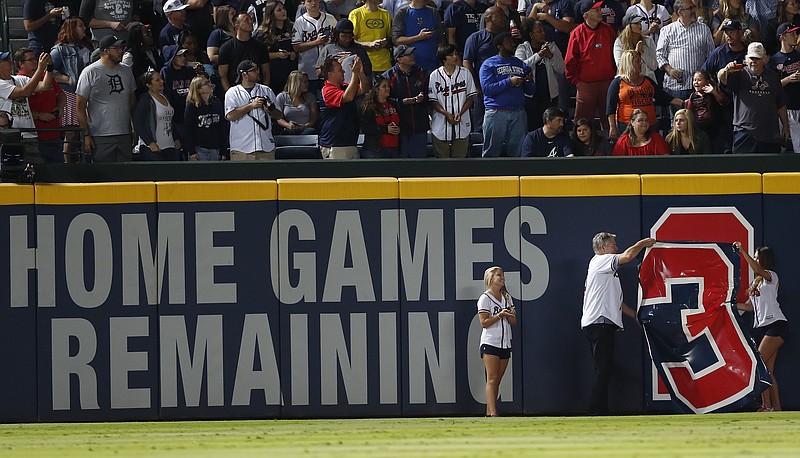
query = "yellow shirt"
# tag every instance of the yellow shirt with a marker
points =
(369, 26)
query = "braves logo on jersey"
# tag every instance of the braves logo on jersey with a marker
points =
(701, 350)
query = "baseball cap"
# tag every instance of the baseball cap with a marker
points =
(786, 27)
(5, 55)
(403, 50)
(109, 41)
(244, 66)
(345, 25)
(181, 52)
(174, 5)
(756, 50)
(631, 19)
(732, 25)
(587, 5)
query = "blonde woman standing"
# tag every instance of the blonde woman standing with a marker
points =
(497, 314)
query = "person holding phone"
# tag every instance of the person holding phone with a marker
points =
(380, 122)
(497, 314)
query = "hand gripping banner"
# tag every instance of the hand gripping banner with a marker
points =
(699, 345)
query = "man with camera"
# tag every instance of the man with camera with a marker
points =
(249, 106)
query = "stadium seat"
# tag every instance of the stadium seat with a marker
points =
(296, 140)
(297, 152)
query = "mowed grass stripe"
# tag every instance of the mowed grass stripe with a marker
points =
(749, 434)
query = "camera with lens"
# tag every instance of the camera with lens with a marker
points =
(267, 103)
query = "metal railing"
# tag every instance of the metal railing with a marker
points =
(4, 26)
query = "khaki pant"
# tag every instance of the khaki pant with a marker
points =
(339, 152)
(456, 148)
(254, 156)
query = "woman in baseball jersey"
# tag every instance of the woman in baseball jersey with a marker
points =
(497, 315)
(769, 320)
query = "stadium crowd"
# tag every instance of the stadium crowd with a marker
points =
(225, 79)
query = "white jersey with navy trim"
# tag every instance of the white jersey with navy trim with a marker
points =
(306, 29)
(602, 295)
(451, 91)
(499, 334)
(245, 133)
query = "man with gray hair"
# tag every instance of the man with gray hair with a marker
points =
(603, 308)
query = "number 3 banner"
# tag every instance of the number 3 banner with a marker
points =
(701, 349)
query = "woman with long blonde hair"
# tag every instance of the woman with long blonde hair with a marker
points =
(497, 314)
(632, 38)
(685, 138)
(299, 107)
(205, 126)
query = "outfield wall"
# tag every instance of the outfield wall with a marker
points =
(335, 298)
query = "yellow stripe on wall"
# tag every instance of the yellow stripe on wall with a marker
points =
(701, 184)
(216, 191)
(459, 187)
(782, 183)
(337, 189)
(580, 186)
(95, 193)
(16, 194)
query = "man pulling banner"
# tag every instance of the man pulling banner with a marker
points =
(702, 351)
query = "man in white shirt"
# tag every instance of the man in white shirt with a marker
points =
(603, 308)
(249, 106)
(311, 32)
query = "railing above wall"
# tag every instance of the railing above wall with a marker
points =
(268, 170)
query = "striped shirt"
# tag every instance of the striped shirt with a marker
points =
(684, 49)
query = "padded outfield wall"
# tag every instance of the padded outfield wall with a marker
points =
(299, 298)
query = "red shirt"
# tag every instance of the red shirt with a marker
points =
(590, 54)
(388, 115)
(46, 102)
(657, 147)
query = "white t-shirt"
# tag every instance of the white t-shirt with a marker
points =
(766, 308)
(307, 29)
(499, 334)
(602, 295)
(246, 135)
(451, 91)
(19, 108)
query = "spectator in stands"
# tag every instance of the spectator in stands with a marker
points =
(420, 26)
(611, 12)
(409, 89)
(505, 80)
(46, 108)
(153, 121)
(788, 11)
(176, 76)
(70, 55)
(206, 129)
(344, 48)
(586, 142)
(590, 63)
(479, 47)
(632, 38)
(509, 15)
(14, 93)
(194, 54)
(558, 18)
(175, 11)
(451, 90)
(373, 30)
(706, 105)
(299, 106)
(276, 32)
(142, 54)
(730, 10)
(685, 138)
(632, 91)
(42, 19)
(547, 63)
(391, 6)
(550, 140)
(758, 99)
(312, 31)
(341, 9)
(654, 17)
(240, 48)
(732, 51)
(249, 107)
(683, 47)
(461, 20)
(338, 129)
(786, 63)
(106, 19)
(200, 19)
(223, 17)
(105, 98)
(639, 139)
(380, 122)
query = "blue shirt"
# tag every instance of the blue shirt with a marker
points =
(720, 57)
(408, 22)
(495, 78)
(784, 65)
(479, 47)
(465, 19)
(536, 144)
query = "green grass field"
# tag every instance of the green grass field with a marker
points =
(746, 434)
